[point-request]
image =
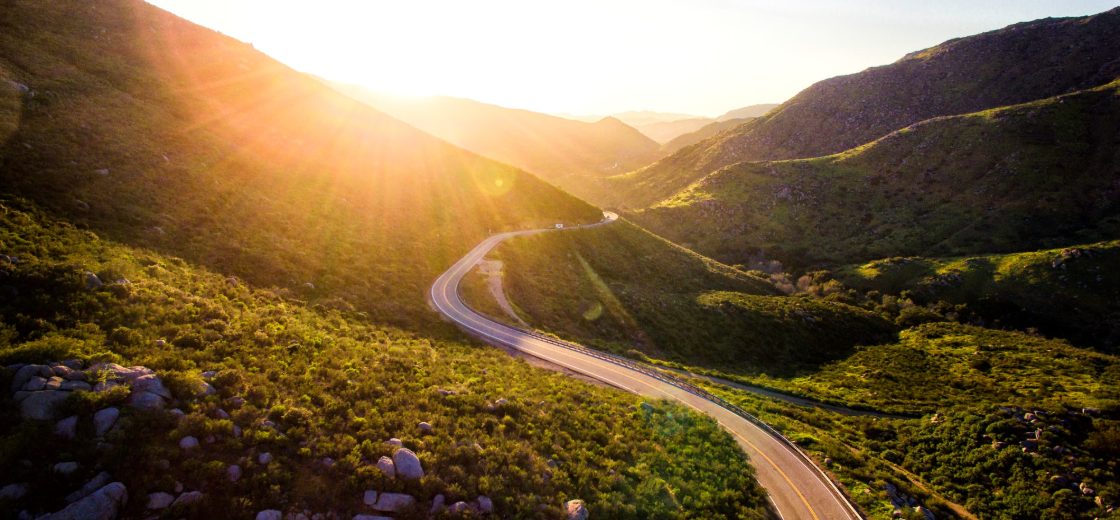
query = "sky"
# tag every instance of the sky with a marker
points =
(701, 57)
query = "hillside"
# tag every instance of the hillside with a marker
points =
(703, 133)
(1020, 63)
(154, 131)
(747, 112)
(291, 405)
(570, 154)
(665, 131)
(621, 289)
(1040, 175)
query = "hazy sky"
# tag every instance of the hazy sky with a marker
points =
(602, 56)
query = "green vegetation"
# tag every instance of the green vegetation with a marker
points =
(1017, 64)
(337, 387)
(1035, 176)
(1068, 293)
(163, 134)
(623, 290)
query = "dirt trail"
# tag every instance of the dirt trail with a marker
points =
(492, 270)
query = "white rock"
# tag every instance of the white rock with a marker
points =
(187, 498)
(385, 464)
(407, 464)
(54, 383)
(67, 428)
(394, 442)
(101, 480)
(24, 374)
(270, 514)
(76, 375)
(146, 401)
(438, 503)
(104, 419)
(501, 402)
(485, 505)
(233, 473)
(103, 504)
(393, 502)
(264, 458)
(369, 497)
(160, 500)
(35, 384)
(188, 443)
(576, 509)
(14, 491)
(42, 406)
(425, 427)
(66, 468)
(62, 371)
(151, 383)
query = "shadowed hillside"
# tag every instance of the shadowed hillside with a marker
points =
(703, 133)
(1020, 63)
(570, 154)
(151, 130)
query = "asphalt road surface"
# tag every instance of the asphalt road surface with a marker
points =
(798, 491)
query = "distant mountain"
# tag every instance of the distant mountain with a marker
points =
(1039, 175)
(665, 131)
(570, 154)
(703, 133)
(169, 136)
(745, 112)
(1017, 64)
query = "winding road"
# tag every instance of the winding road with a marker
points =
(797, 488)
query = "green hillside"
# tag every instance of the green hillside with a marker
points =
(156, 132)
(574, 155)
(1069, 293)
(336, 387)
(1017, 64)
(621, 289)
(1035, 176)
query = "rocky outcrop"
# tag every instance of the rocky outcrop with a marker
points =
(407, 464)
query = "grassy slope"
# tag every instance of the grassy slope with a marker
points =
(1039, 175)
(248, 167)
(1020, 63)
(622, 289)
(333, 380)
(571, 154)
(1069, 293)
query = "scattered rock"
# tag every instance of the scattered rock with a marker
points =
(14, 491)
(236, 401)
(221, 414)
(233, 473)
(370, 497)
(71, 386)
(393, 502)
(501, 402)
(66, 468)
(264, 458)
(407, 464)
(425, 427)
(101, 480)
(160, 500)
(92, 281)
(438, 504)
(146, 401)
(42, 406)
(188, 443)
(67, 428)
(385, 464)
(25, 373)
(159, 343)
(394, 442)
(187, 498)
(104, 419)
(485, 505)
(270, 514)
(576, 510)
(459, 508)
(103, 504)
(151, 383)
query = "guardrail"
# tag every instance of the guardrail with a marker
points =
(649, 370)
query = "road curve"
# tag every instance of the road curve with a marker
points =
(797, 489)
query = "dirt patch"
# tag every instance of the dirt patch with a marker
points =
(492, 270)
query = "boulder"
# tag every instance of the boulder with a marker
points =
(394, 442)
(425, 427)
(151, 383)
(205, 390)
(35, 384)
(104, 419)
(438, 504)
(103, 504)
(264, 458)
(67, 428)
(391, 502)
(188, 443)
(14, 491)
(485, 505)
(76, 375)
(270, 514)
(71, 386)
(233, 473)
(25, 373)
(458, 508)
(92, 281)
(72, 364)
(160, 500)
(146, 401)
(187, 498)
(66, 468)
(133, 373)
(501, 402)
(42, 406)
(576, 509)
(221, 414)
(369, 497)
(101, 480)
(54, 383)
(407, 464)
(105, 386)
(61, 371)
(236, 401)
(385, 464)
(179, 414)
